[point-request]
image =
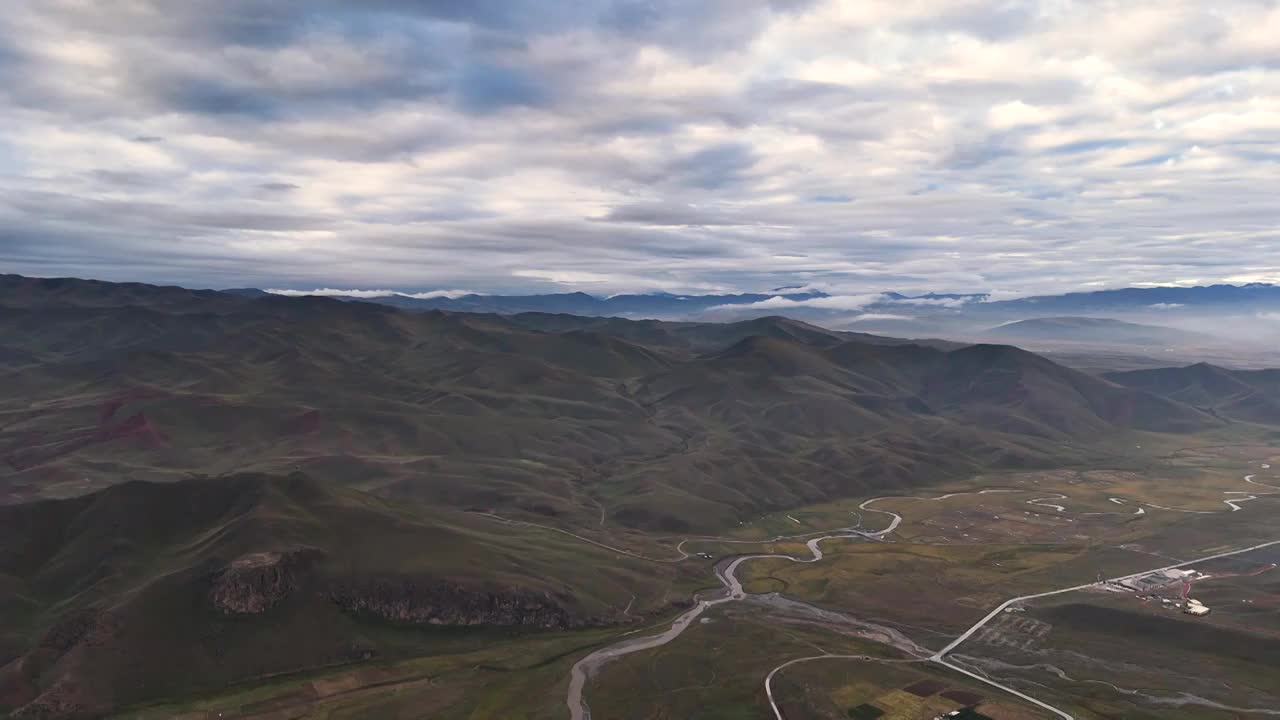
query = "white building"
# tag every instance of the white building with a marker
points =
(1197, 608)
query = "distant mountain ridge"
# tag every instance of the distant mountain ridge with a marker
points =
(1248, 295)
(1252, 296)
(1263, 295)
(684, 426)
(1095, 330)
(575, 303)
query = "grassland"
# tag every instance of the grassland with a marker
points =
(677, 681)
(949, 562)
(481, 678)
(487, 499)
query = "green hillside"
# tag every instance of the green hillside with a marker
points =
(145, 591)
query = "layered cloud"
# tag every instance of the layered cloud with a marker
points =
(631, 145)
(828, 302)
(335, 292)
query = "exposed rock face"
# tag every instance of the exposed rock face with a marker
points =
(428, 602)
(254, 583)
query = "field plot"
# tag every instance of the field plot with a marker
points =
(863, 690)
(1011, 630)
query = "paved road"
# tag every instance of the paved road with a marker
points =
(768, 680)
(940, 657)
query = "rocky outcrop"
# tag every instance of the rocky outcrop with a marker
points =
(434, 602)
(254, 583)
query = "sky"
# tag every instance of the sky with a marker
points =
(606, 146)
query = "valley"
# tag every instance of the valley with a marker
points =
(536, 516)
(639, 360)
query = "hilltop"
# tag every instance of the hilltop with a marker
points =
(148, 590)
(671, 426)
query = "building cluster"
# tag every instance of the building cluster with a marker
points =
(1148, 585)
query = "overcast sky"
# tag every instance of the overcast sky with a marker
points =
(632, 145)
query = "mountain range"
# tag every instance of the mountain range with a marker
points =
(1228, 324)
(667, 426)
(1096, 331)
(199, 488)
(1253, 296)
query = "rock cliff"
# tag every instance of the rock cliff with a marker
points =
(436, 602)
(256, 582)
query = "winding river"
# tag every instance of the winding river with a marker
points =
(732, 590)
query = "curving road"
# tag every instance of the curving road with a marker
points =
(733, 592)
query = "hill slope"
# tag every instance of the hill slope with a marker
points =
(147, 590)
(673, 426)
(1248, 395)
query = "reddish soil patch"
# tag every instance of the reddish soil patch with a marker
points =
(136, 427)
(109, 409)
(307, 422)
(43, 449)
(112, 406)
(924, 688)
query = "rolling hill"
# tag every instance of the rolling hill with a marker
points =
(658, 426)
(145, 590)
(198, 490)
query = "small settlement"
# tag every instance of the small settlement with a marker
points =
(1171, 588)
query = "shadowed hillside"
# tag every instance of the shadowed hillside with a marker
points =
(334, 482)
(1247, 395)
(670, 426)
(150, 590)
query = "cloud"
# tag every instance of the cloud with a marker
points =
(936, 302)
(714, 167)
(632, 145)
(484, 88)
(1166, 306)
(870, 317)
(1000, 295)
(371, 293)
(673, 214)
(831, 302)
